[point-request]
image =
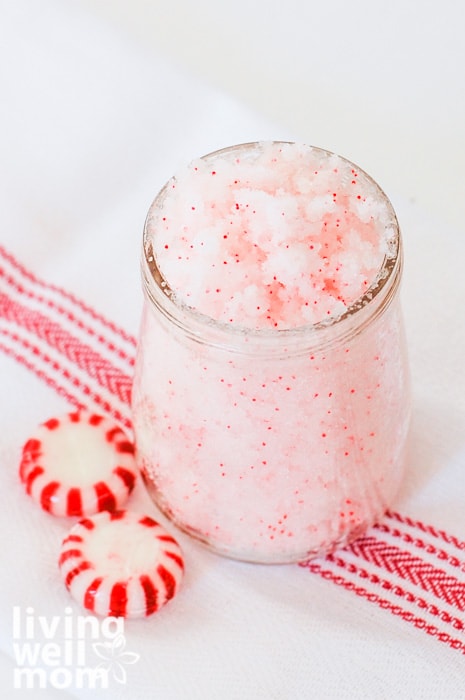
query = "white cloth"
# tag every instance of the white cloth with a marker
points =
(91, 127)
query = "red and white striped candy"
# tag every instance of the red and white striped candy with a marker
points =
(122, 563)
(79, 464)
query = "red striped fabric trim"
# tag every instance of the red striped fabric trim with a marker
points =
(84, 357)
(61, 300)
(29, 357)
(56, 375)
(428, 530)
(412, 569)
(329, 571)
(87, 359)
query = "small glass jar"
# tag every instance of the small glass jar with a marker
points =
(271, 445)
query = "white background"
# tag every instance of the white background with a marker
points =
(380, 82)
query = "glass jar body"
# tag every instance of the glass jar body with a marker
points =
(273, 457)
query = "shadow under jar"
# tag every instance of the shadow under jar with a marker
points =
(271, 396)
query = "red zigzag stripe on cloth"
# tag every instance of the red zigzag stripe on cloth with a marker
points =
(69, 315)
(57, 377)
(419, 543)
(409, 569)
(87, 310)
(81, 355)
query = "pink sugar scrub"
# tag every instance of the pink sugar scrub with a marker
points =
(282, 237)
(271, 389)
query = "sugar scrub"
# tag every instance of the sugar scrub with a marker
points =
(271, 394)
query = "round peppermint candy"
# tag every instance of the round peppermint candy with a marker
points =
(122, 563)
(78, 464)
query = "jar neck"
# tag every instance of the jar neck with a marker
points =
(266, 342)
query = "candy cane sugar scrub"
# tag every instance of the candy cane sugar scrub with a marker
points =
(271, 394)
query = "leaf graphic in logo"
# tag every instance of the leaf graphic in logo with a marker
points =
(115, 657)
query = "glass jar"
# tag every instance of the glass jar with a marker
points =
(272, 444)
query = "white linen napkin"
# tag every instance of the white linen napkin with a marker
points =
(91, 128)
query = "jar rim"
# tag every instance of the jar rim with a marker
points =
(209, 330)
